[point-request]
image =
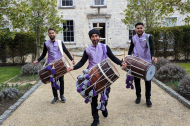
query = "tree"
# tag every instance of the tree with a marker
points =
(184, 7)
(34, 16)
(150, 12)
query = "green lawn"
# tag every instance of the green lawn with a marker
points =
(185, 66)
(7, 73)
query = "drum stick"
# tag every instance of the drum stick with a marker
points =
(124, 55)
(72, 76)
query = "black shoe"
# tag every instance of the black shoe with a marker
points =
(54, 100)
(63, 99)
(148, 102)
(138, 100)
(105, 113)
(95, 123)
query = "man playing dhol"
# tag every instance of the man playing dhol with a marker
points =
(141, 50)
(51, 46)
(94, 53)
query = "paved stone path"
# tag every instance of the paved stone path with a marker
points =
(36, 110)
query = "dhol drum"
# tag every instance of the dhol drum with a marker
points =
(139, 68)
(55, 69)
(97, 79)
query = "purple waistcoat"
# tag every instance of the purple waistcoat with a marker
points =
(140, 47)
(53, 51)
(95, 54)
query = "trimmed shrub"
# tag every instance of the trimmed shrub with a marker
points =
(170, 72)
(184, 85)
(9, 93)
(30, 68)
(161, 62)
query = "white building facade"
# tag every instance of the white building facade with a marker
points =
(84, 15)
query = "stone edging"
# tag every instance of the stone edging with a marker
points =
(172, 93)
(13, 107)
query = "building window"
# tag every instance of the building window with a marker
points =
(131, 34)
(171, 21)
(68, 36)
(99, 2)
(67, 3)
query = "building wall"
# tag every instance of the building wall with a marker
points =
(117, 34)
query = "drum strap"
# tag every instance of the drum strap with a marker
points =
(104, 50)
(147, 41)
(60, 47)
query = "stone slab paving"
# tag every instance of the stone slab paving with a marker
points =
(36, 110)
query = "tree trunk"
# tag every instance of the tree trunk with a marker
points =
(38, 42)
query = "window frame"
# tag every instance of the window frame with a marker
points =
(174, 24)
(66, 7)
(93, 4)
(69, 42)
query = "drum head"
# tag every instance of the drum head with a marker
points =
(150, 73)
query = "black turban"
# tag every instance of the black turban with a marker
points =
(93, 31)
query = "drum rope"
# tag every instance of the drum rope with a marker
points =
(94, 73)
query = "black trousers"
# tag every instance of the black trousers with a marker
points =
(94, 104)
(61, 80)
(138, 88)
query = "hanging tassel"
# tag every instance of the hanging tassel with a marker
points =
(79, 90)
(82, 93)
(129, 82)
(91, 93)
(80, 77)
(84, 86)
(103, 108)
(85, 71)
(86, 100)
(99, 106)
(107, 91)
(51, 78)
(57, 87)
(90, 99)
(94, 93)
(53, 70)
(87, 76)
(132, 87)
(128, 85)
(88, 84)
(85, 82)
(106, 98)
(48, 68)
(103, 97)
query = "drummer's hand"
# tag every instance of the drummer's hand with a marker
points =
(154, 59)
(35, 62)
(73, 62)
(124, 65)
(70, 69)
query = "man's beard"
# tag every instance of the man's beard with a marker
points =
(140, 34)
(95, 42)
(52, 38)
